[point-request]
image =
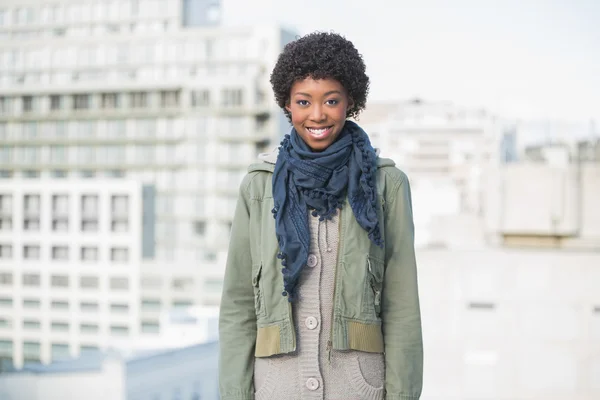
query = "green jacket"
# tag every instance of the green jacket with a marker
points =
(376, 301)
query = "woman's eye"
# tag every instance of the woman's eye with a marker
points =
(302, 102)
(332, 102)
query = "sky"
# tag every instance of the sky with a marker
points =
(524, 59)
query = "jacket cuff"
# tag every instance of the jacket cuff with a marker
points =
(401, 397)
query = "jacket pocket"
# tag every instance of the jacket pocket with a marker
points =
(373, 287)
(259, 301)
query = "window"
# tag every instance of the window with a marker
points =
(111, 100)
(169, 98)
(88, 328)
(232, 97)
(182, 303)
(58, 173)
(150, 327)
(6, 302)
(31, 174)
(200, 98)
(200, 228)
(59, 326)
(151, 282)
(31, 303)
(119, 205)
(89, 348)
(31, 221)
(89, 254)
(5, 105)
(150, 304)
(31, 252)
(5, 252)
(30, 154)
(119, 254)
(89, 205)
(28, 104)
(59, 281)
(56, 102)
(60, 204)
(119, 283)
(89, 282)
(115, 128)
(59, 305)
(6, 204)
(81, 101)
(4, 323)
(138, 99)
(60, 351)
(88, 306)
(31, 325)
(182, 283)
(30, 130)
(60, 252)
(119, 330)
(5, 223)
(119, 308)
(31, 280)
(58, 154)
(31, 351)
(6, 278)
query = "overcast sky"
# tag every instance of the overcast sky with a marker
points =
(517, 58)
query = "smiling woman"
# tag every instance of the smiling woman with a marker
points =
(320, 295)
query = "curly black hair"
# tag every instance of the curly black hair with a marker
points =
(321, 55)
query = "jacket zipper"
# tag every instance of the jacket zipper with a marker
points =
(330, 342)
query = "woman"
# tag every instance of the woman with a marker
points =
(320, 296)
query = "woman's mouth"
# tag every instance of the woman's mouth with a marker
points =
(320, 132)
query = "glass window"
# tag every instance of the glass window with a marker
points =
(6, 302)
(31, 252)
(56, 102)
(30, 130)
(119, 283)
(28, 103)
(31, 303)
(169, 98)
(200, 98)
(31, 325)
(88, 328)
(6, 278)
(31, 350)
(81, 101)
(60, 304)
(6, 252)
(59, 281)
(60, 252)
(89, 282)
(111, 100)
(119, 254)
(89, 253)
(59, 326)
(150, 327)
(58, 154)
(60, 351)
(31, 280)
(151, 304)
(119, 330)
(138, 99)
(88, 306)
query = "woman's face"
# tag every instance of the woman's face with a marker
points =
(318, 109)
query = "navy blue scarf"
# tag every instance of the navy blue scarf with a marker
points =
(305, 180)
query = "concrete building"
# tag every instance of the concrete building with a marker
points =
(549, 201)
(444, 149)
(150, 90)
(70, 257)
(186, 373)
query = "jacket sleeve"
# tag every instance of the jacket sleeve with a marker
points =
(400, 306)
(237, 317)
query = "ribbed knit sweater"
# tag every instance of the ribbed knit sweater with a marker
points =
(313, 371)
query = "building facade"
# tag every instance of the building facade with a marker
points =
(70, 257)
(98, 96)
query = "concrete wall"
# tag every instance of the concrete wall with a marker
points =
(510, 324)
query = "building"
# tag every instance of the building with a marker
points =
(70, 258)
(185, 373)
(549, 200)
(127, 94)
(150, 90)
(444, 149)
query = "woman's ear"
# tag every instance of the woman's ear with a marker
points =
(287, 107)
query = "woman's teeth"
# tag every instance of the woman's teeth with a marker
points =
(318, 132)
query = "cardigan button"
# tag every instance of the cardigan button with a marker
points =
(311, 323)
(312, 260)
(312, 384)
